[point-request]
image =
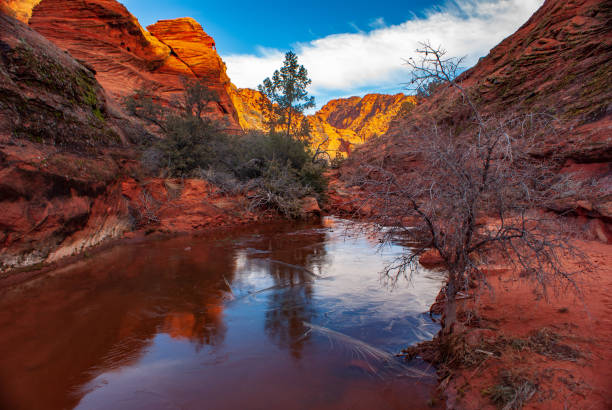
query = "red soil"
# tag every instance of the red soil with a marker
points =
(515, 311)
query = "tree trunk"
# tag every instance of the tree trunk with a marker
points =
(289, 124)
(450, 311)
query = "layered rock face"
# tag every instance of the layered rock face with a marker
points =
(368, 117)
(127, 57)
(341, 124)
(196, 50)
(60, 196)
(558, 64)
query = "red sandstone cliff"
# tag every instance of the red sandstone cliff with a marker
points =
(367, 116)
(341, 125)
(556, 63)
(127, 57)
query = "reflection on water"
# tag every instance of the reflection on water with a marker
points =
(283, 316)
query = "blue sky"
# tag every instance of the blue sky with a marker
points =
(238, 26)
(349, 48)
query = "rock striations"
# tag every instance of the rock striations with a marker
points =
(127, 57)
(557, 63)
(340, 125)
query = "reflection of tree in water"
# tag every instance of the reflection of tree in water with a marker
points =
(289, 307)
(292, 258)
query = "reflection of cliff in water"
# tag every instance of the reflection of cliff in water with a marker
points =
(192, 320)
(93, 317)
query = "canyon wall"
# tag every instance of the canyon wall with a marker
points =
(126, 57)
(340, 125)
(556, 64)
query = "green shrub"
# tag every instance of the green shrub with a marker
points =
(278, 188)
(276, 169)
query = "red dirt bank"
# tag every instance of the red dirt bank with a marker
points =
(576, 378)
(503, 321)
(74, 202)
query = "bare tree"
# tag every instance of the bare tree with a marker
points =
(475, 196)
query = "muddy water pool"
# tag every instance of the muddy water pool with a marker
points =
(283, 316)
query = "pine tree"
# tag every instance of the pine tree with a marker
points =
(286, 91)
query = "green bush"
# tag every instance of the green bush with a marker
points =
(273, 169)
(279, 188)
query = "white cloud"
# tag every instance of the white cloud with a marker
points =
(377, 23)
(372, 61)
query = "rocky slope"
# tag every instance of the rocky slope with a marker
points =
(69, 177)
(557, 63)
(340, 125)
(368, 116)
(127, 57)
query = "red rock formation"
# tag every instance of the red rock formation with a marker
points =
(556, 63)
(19, 9)
(196, 49)
(368, 116)
(340, 125)
(126, 57)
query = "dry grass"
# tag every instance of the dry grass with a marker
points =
(513, 390)
(546, 342)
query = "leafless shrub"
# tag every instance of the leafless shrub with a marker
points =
(474, 198)
(150, 207)
(225, 183)
(277, 189)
